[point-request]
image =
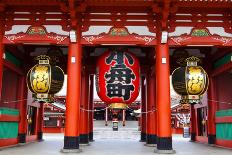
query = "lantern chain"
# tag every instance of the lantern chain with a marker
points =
(94, 110)
(14, 101)
(145, 112)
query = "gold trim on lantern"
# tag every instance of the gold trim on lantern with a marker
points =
(118, 105)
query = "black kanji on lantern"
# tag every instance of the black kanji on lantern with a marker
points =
(119, 77)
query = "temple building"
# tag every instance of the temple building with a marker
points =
(143, 41)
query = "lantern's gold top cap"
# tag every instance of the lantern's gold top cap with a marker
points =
(193, 58)
(42, 57)
(192, 61)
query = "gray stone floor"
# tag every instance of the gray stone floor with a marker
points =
(122, 142)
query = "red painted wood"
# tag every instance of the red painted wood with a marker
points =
(223, 90)
(163, 91)
(8, 142)
(8, 118)
(91, 103)
(177, 130)
(222, 69)
(22, 95)
(13, 67)
(31, 138)
(224, 143)
(151, 98)
(72, 127)
(212, 107)
(226, 119)
(202, 139)
(192, 119)
(40, 117)
(84, 128)
(1, 52)
(144, 107)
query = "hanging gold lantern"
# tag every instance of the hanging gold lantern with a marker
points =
(44, 80)
(191, 81)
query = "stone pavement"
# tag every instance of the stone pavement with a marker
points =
(108, 142)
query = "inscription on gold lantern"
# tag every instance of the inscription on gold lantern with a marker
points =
(40, 79)
(195, 80)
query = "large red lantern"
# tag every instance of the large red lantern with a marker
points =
(118, 78)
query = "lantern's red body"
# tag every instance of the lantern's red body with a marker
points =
(118, 77)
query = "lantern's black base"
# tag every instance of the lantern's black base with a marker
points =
(91, 137)
(151, 139)
(164, 143)
(22, 138)
(143, 137)
(211, 139)
(71, 143)
(193, 137)
(84, 139)
(40, 136)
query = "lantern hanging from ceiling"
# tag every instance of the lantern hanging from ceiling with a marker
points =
(117, 78)
(45, 79)
(191, 81)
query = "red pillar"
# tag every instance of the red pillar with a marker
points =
(91, 107)
(123, 117)
(193, 123)
(71, 137)
(164, 134)
(40, 122)
(143, 109)
(84, 133)
(2, 32)
(212, 108)
(22, 110)
(151, 115)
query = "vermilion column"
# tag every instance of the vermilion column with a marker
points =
(91, 107)
(123, 117)
(2, 32)
(212, 108)
(72, 124)
(84, 133)
(151, 115)
(193, 123)
(40, 122)
(164, 134)
(143, 109)
(22, 110)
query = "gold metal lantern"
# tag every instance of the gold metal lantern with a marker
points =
(191, 81)
(44, 80)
